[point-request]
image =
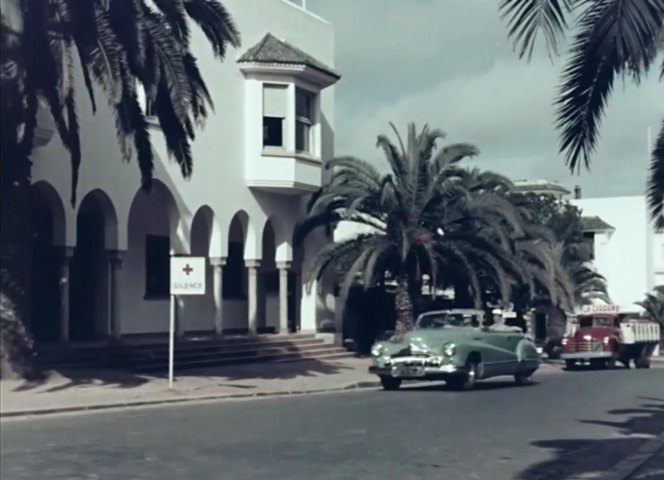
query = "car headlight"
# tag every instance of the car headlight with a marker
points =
(449, 349)
(607, 340)
(376, 350)
(565, 341)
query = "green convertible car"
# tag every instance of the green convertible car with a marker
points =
(455, 346)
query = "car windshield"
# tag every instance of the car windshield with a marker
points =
(445, 319)
(586, 322)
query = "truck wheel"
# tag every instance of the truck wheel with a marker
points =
(610, 363)
(570, 365)
(643, 360)
(390, 383)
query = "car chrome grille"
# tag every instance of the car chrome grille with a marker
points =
(412, 362)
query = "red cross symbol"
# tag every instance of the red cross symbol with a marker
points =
(187, 269)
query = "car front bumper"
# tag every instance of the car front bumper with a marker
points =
(585, 355)
(415, 368)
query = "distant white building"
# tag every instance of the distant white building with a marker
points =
(627, 250)
(102, 268)
(542, 187)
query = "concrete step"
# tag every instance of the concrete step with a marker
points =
(329, 353)
(219, 349)
(180, 357)
(224, 351)
(73, 354)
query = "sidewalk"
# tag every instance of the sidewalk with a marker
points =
(97, 389)
(652, 469)
(647, 463)
(65, 391)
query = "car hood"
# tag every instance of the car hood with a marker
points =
(430, 338)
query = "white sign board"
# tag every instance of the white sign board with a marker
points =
(600, 309)
(187, 275)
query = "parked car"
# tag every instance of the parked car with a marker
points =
(457, 347)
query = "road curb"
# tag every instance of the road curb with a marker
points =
(626, 467)
(189, 399)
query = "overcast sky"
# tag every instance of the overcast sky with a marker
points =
(448, 63)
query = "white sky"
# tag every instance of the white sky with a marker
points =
(449, 63)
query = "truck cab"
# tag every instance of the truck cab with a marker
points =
(606, 335)
(595, 340)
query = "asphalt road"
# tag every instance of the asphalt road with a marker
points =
(566, 424)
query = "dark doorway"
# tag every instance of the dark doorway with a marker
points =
(540, 326)
(45, 266)
(89, 276)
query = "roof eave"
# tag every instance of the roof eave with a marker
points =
(320, 78)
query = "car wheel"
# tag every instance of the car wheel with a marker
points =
(390, 383)
(523, 378)
(467, 380)
(570, 364)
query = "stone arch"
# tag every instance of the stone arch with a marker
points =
(242, 222)
(96, 237)
(98, 199)
(45, 197)
(206, 236)
(198, 311)
(275, 260)
(282, 241)
(48, 237)
(155, 230)
(235, 278)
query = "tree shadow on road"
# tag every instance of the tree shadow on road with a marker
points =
(576, 458)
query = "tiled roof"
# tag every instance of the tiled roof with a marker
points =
(594, 224)
(272, 50)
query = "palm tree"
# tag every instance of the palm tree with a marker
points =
(539, 256)
(122, 46)
(419, 218)
(614, 37)
(654, 307)
(589, 285)
(563, 226)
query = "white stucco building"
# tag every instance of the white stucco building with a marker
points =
(104, 265)
(627, 249)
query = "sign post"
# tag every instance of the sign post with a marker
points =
(187, 278)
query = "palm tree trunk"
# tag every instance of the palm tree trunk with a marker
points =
(404, 308)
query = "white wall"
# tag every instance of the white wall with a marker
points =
(629, 257)
(218, 179)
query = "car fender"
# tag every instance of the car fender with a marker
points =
(526, 351)
(464, 350)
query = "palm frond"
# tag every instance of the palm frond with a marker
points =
(176, 17)
(216, 23)
(656, 181)
(613, 37)
(528, 18)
